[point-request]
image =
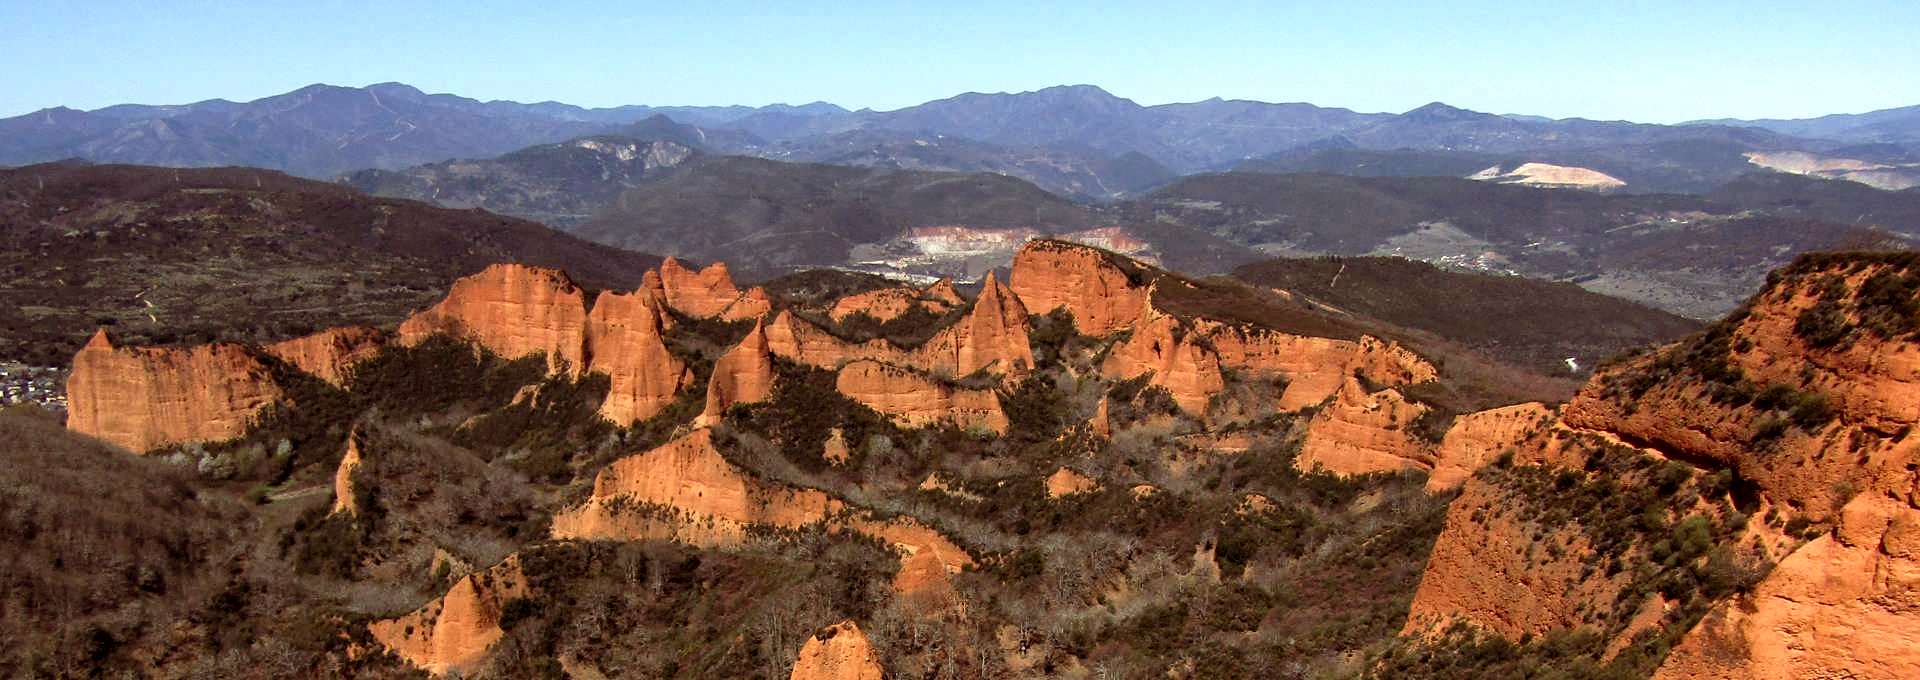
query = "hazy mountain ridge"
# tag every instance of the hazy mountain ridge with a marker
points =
(323, 130)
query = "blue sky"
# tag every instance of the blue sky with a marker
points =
(1645, 61)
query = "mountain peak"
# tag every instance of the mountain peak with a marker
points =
(1442, 112)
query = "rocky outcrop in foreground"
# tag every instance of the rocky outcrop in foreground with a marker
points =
(143, 399)
(454, 633)
(837, 652)
(743, 375)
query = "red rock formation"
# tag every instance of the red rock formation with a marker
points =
(928, 561)
(1475, 439)
(753, 304)
(884, 304)
(1845, 605)
(345, 496)
(705, 294)
(625, 340)
(914, 400)
(743, 375)
(1100, 423)
(1313, 367)
(835, 450)
(328, 354)
(942, 296)
(143, 399)
(1485, 569)
(798, 340)
(454, 633)
(1361, 432)
(512, 310)
(837, 652)
(1066, 482)
(1102, 297)
(686, 491)
(993, 336)
(1164, 346)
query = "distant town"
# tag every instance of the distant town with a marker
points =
(43, 385)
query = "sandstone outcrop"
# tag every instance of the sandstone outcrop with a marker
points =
(837, 652)
(710, 293)
(1067, 482)
(753, 304)
(743, 375)
(1089, 284)
(993, 336)
(1166, 347)
(329, 354)
(346, 498)
(1101, 424)
(1361, 432)
(142, 399)
(1313, 367)
(914, 400)
(885, 304)
(625, 339)
(685, 491)
(795, 339)
(1485, 569)
(1475, 439)
(1870, 388)
(512, 310)
(455, 632)
(1845, 605)
(942, 295)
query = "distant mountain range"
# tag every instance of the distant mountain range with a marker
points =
(1078, 141)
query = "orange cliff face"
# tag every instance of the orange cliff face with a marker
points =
(516, 310)
(143, 399)
(993, 337)
(512, 310)
(1361, 432)
(1314, 367)
(798, 340)
(1050, 275)
(887, 304)
(1870, 388)
(346, 497)
(1476, 439)
(625, 339)
(329, 354)
(1845, 605)
(454, 633)
(837, 652)
(710, 293)
(743, 375)
(914, 400)
(1162, 345)
(686, 491)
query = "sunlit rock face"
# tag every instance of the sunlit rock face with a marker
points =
(837, 652)
(455, 632)
(743, 375)
(514, 311)
(330, 354)
(143, 399)
(1050, 275)
(914, 400)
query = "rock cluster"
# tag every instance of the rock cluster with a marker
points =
(1360, 432)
